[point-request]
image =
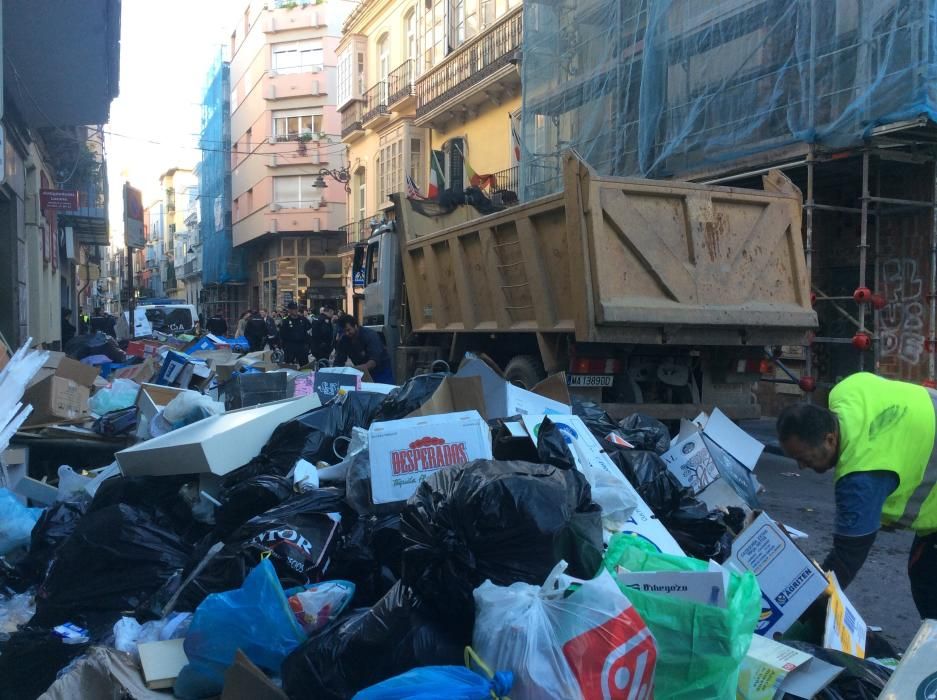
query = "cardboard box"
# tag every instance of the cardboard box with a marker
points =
(215, 445)
(244, 390)
(60, 390)
(789, 580)
(173, 370)
(771, 669)
(504, 400)
(244, 681)
(162, 662)
(694, 453)
(329, 383)
(152, 399)
(140, 373)
(589, 455)
(454, 395)
(915, 675)
(405, 452)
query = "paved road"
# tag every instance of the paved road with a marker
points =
(881, 591)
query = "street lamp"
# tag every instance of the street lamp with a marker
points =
(339, 175)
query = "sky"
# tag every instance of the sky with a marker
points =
(166, 50)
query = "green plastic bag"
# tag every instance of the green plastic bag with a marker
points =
(700, 647)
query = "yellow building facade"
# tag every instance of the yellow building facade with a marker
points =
(421, 82)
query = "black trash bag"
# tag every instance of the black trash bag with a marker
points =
(54, 526)
(646, 471)
(310, 436)
(595, 418)
(30, 660)
(251, 497)
(116, 558)
(506, 447)
(162, 497)
(735, 474)
(369, 554)
(297, 536)
(861, 679)
(645, 433)
(369, 646)
(358, 489)
(703, 533)
(504, 521)
(401, 402)
(97, 343)
(552, 447)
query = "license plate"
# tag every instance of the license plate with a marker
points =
(589, 380)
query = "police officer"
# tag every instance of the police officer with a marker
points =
(878, 437)
(294, 335)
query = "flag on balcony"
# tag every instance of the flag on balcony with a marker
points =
(437, 181)
(515, 138)
(473, 178)
(413, 192)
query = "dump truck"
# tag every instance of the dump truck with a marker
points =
(654, 296)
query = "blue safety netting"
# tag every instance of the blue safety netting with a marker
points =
(663, 88)
(221, 262)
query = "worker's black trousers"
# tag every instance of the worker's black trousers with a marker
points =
(922, 570)
(295, 354)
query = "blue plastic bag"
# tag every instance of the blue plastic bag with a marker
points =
(255, 618)
(16, 522)
(434, 682)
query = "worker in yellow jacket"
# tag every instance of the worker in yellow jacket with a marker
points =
(878, 435)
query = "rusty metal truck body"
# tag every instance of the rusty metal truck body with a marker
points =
(652, 295)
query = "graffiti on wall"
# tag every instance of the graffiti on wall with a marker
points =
(902, 325)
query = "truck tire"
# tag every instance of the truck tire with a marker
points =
(525, 371)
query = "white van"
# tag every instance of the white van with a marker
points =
(163, 318)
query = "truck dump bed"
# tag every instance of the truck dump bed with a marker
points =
(617, 260)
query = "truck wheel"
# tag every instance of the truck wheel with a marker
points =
(525, 371)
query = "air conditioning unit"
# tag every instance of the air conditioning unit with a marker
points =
(274, 207)
(270, 92)
(271, 140)
(274, 226)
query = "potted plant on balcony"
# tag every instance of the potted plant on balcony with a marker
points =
(303, 139)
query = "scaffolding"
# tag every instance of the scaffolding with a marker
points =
(840, 94)
(224, 273)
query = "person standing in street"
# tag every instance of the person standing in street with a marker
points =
(68, 329)
(879, 438)
(323, 333)
(294, 333)
(273, 333)
(255, 330)
(365, 348)
(216, 325)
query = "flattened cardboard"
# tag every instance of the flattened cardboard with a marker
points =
(403, 453)
(845, 629)
(916, 675)
(244, 681)
(454, 395)
(162, 662)
(788, 579)
(215, 445)
(771, 669)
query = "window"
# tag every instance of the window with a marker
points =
(362, 75)
(301, 248)
(390, 165)
(297, 57)
(457, 22)
(415, 167)
(290, 125)
(295, 191)
(172, 229)
(434, 33)
(409, 30)
(302, 282)
(374, 260)
(289, 247)
(361, 202)
(383, 58)
(343, 78)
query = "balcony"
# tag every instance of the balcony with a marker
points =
(375, 106)
(400, 87)
(352, 128)
(504, 186)
(481, 70)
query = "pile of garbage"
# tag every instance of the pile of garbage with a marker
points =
(315, 535)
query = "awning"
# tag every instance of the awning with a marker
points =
(89, 230)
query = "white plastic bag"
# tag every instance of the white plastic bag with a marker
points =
(580, 643)
(318, 605)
